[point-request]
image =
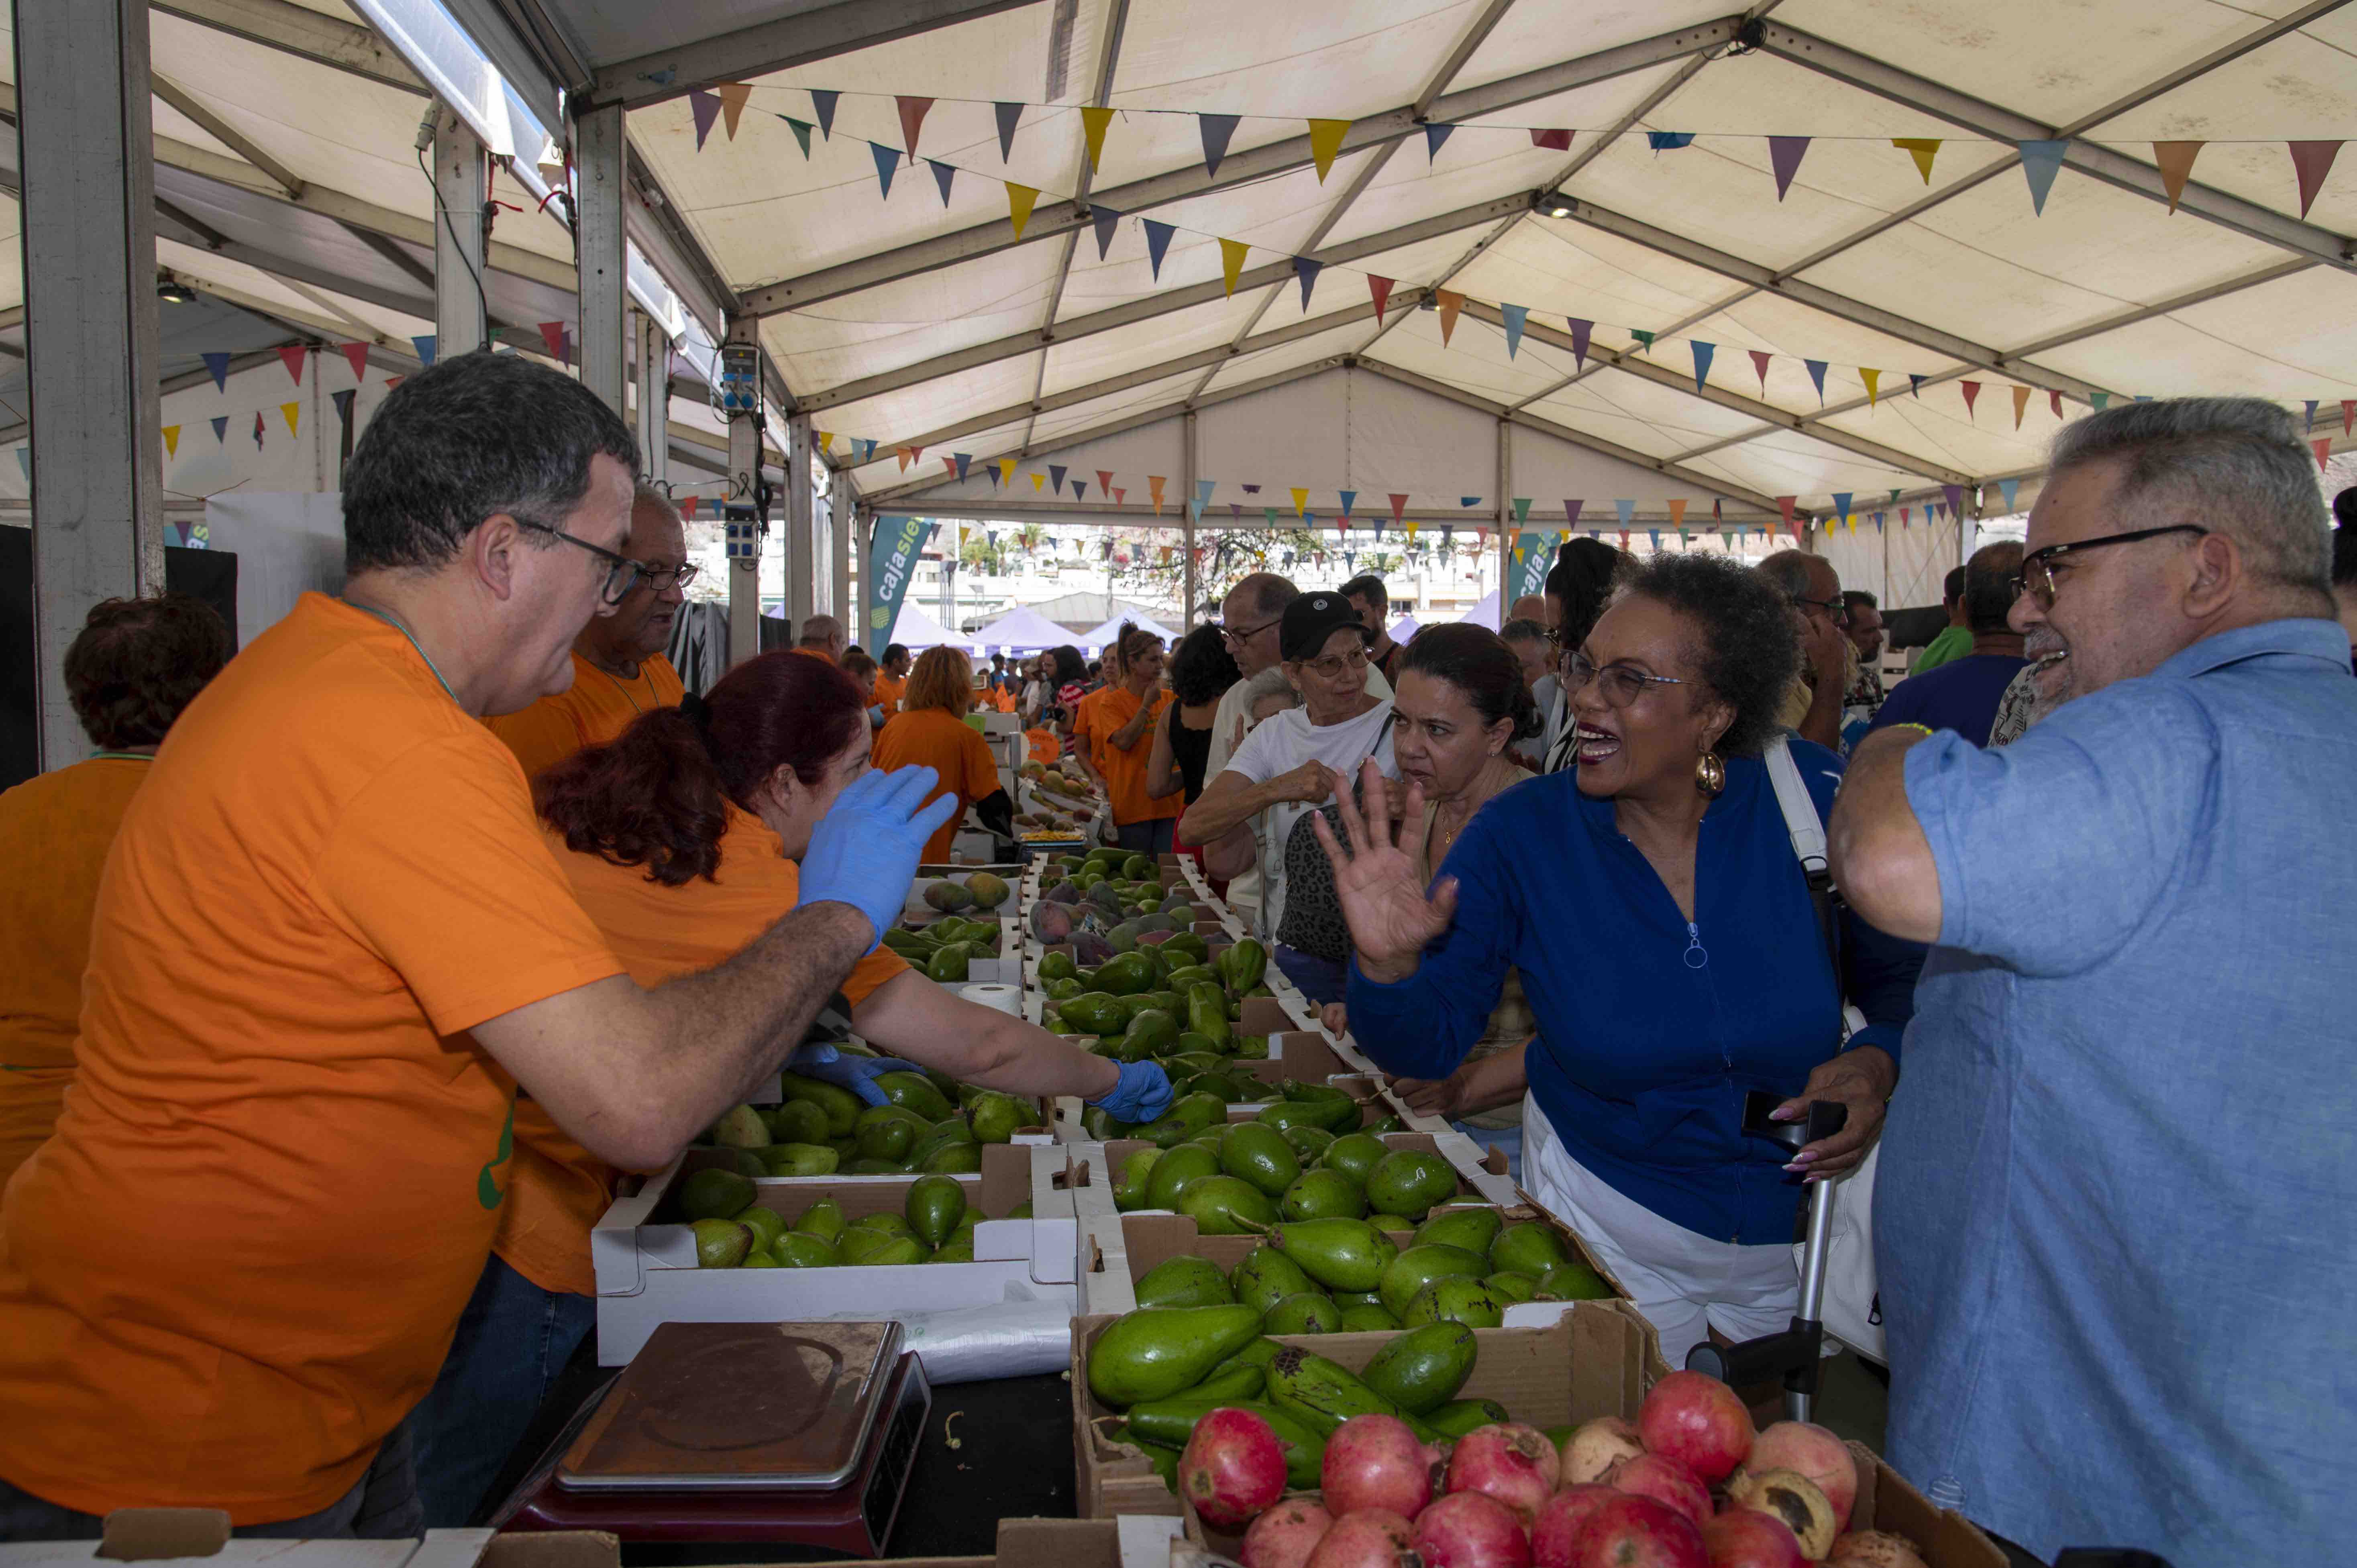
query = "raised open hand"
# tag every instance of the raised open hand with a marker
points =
(1377, 881)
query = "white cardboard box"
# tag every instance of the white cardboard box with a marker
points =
(185, 1538)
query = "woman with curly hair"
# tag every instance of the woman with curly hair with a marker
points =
(1667, 937)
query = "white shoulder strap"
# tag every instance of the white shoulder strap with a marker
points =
(1800, 810)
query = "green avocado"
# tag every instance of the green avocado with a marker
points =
(1184, 1282)
(1456, 1298)
(1419, 1266)
(1409, 1181)
(1323, 1195)
(1260, 1155)
(1266, 1276)
(1311, 1311)
(1155, 1352)
(1423, 1368)
(1224, 1206)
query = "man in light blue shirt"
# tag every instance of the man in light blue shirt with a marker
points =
(2115, 1215)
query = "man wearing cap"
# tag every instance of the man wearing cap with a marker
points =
(1294, 760)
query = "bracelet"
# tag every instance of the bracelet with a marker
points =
(1926, 731)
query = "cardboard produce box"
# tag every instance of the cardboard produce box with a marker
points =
(202, 1535)
(647, 1275)
(1113, 1153)
(1598, 1358)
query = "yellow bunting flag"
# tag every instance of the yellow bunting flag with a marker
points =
(826, 442)
(2020, 401)
(1411, 534)
(172, 440)
(1873, 380)
(1093, 122)
(1232, 260)
(1678, 511)
(1036, 482)
(1300, 500)
(733, 96)
(1020, 199)
(290, 410)
(1006, 470)
(1157, 481)
(1325, 140)
(1451, 302)
(1923, 149)
(1850, 522)
(2176, 161)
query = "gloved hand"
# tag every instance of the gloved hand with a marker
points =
(1142, 1094)
(865, 850)
(857, 1074)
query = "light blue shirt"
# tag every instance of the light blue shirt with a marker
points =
(2116, 1220)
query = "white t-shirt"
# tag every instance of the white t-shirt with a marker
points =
(1285, 742)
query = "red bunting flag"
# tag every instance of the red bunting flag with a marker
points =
(1558, 140)
(1760, 359)
(292, 358)
(949, 466)
(551, 334)
(1972, 395)
(1381, 287)
(1121, 496)
(1784, 504)
(1104, 480)
(2311, 161)
(2349, 415)
(687, 509)
(358, 354)
(2055, 397)
(2323, 447)
(912, 120)
(1399, 505)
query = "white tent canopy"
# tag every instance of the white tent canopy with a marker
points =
(1101, 636)
(1405, 627)
(914, 629)
(1021, 627)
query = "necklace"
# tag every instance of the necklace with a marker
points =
(616, 682)
(392, 621)
(1449, 833)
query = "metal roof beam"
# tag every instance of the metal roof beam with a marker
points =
(300, 31)
(799, 39)
(1529, 421)
(227, 134)
(2115, 168)
(1250, 166)
(1156, 305)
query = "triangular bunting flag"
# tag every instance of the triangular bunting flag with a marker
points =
(1121, 496)
(2020, 401)
(1702, 357)
(1216, 130)
(257, 430)
(1348, 496)
(1079, 489)
(1399, 505)
(172, 440)
(1093, 126)
(1469, 500)
(292, 413)
(949, 466)
(220, 428)
(822, 108)
(1154, 483)
(825, 442)
(1056, 477)
(886, 160)
(425, 345)
(216, 363)
(1158, 243)
(2176, 161)
(1005, 467)
(2349, 416)
(2310, 419)
(2055, 398)
(1873, 380)
(907, 455)
(734, 96)
(943, 174)
(865, 445)
(912, 120)
(1300, 500)
(2099, 401)
(552, 336)
(1915, 386)
(1817, 374)
(1841, 503)
(1784, 504)
(1231, 263)
(2323, 447)
(1436, 132)
(1516, 316)
(1204, 489)
(1451, 302)
(356, 354)
(1645, 339)
(964, 461)
(1655, 535)
(1307, 270)
(2311, 161)
(1558, 140)
(1380, 290)
(1955, 494)
(1627, 509)
(1677, 517)
(1105, 220)
(1020, 199)
(1668, 141)
(1923, 149)
(1009, 116)
(1038, 480)
(1972, 394)
(1325, 140)
(2009, 489)
(292, 356)
(802, 130)
(1571, 510)
(687, 509)
(2040, 163)
(1759, 358)
(705, 107)
(1785, 157)
(1580, 333)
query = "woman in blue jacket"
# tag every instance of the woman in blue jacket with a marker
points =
(1650, 898)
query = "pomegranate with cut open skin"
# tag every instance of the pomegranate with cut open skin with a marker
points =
(1814, 1452)
(1595, 1446)
(1792, 1497)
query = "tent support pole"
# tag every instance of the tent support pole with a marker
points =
(461, 185)
(85, 127)
(802, 560)
(1186, 527)
(651, 346)
(838, 516)
(601, 248)
(1505, 518)
(744, 481)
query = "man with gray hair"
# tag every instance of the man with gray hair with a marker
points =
(2112, 1217)
(1812, 706)
(822, 636)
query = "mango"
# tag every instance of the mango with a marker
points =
(1095, 1013)
(958, 1249)
(1156, 1351)
(1456, 1298)
(1388, 1223)
(948, 966)
(1184, 1282)
(1530, 1247)
(1176, 1171)
(1126, 974)
(1458, 1418)
(1057, 966)
(1266, 1277)
(1423, 1368)
(1471, 1228)
(1190, 974)
(1311, 1311)
(757, 1259)
(1409, 1181)
(888, 1132)
(933, 1206)
(952, 1159)
(1260, 1155)
(1511, 1287)
(796, 1121)
(747, 1161)
(766, 1224)
(1340, 1255)
(873, 1250)
(1310, 1143)
(1207, 1014)
(1224, 1206)
(823, 1219)
(1419, 1266)
(722, 1243)
(1188, 1116)
(987, 889)
(1151, 1033)
(948, 895)
(890, 1224)
(1323, 1195)
(714, 1195)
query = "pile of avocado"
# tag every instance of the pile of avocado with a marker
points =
(1167, 1002)
(943, 950)
(1239, 1178)
(929, 1123)
(935, 1225)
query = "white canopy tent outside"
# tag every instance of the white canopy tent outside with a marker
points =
(1101, 636)
(918, 630)
(1405, 627)
(1020, 628)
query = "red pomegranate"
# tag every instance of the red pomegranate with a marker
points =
(1595, 1446)
(1814, 1452)
(1631, 1531)
(1470, 1529)
(1741, 1539)
(1285, 1535)
(1791, 1498)
(1369, 1539)
(1554, 1538)
(1512, 1463)
(1375, 1462)
(1665, 1481)
(1232, 1469)
(1697, 1421)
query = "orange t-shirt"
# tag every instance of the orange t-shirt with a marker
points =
(559, 1189)
(941, 740)
(597, 707)
(240, 1261)
(1124, 771)
(55, 831)
(889, 692)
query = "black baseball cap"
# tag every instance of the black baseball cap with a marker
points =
(1310, 619)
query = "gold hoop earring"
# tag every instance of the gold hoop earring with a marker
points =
(1710, 774)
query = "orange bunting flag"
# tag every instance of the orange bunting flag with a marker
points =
(1325, 140)
(1972, 395)
(1678, 511)
(1020, 199)
(2020, 401)
(291, 409)
(1300, 500)
(2176, 161)
(949, 466)
(733, 96)
(1923, 149)
(912, 120)
(1451, 302)
(1093, 124)
(171, 440)
(1155, 482)
(1231, 261)
(907, 455)
(1873, 380)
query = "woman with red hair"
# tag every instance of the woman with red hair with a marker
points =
(682, 839)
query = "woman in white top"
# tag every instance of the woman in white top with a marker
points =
(1294, 762)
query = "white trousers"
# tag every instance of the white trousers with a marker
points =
(1684, 1282)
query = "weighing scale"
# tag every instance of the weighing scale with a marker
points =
(784, 1432)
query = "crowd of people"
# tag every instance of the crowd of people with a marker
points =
(450, 905)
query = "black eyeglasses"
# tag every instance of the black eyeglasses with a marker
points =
(1620, 685)
(622, 574)
(1836, 608)
(1238, 639)
(2037, 577)
(662, 581)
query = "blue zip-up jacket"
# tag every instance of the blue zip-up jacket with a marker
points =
(1649, 1030)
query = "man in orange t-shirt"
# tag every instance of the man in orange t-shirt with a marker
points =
(892, 677)
(618, 668)
(930, 731)
(129, 671)
(328, 946)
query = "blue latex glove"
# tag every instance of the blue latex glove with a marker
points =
(1143, 1093)
(857, 1074)
(865, 850)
